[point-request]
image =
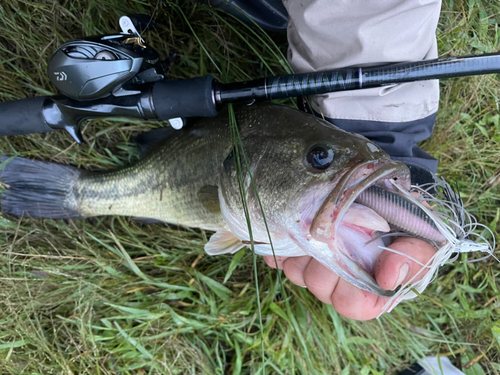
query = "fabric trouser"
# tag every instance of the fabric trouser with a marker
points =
(330, 34)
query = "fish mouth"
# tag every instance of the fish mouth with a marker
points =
(350, 186)
(344, 256)
(350, 250)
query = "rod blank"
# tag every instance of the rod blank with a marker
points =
(355, 78)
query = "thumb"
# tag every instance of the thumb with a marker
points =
(394, 269)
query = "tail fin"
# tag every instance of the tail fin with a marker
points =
(38, 189)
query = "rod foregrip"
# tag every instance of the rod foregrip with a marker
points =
(23, 116)
(185, 98)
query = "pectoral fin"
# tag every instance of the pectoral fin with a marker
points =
(223, 242)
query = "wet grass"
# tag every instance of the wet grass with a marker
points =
(111, 296)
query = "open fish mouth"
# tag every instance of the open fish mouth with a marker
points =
(348, 229)
(351, 185)
(368, 200)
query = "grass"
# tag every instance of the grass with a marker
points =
(110, 296)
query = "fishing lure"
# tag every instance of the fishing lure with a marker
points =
(454, 223)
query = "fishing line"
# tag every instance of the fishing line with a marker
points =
(151, 18)
(197, 39)
(405, 255)
(480, 259)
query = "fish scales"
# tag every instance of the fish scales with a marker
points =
(307, 172)
(165, 184)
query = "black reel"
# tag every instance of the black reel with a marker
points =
(96, 67)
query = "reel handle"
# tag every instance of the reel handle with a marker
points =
(136, 24)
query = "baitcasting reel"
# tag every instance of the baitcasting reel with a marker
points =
(101, 76)
(95, 67)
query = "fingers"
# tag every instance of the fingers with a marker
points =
(272, 263)
(320, 281)
(294, 269)
(393, 269)
(308, 272)
(329, 288)
(354, 303)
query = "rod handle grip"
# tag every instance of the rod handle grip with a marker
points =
(192, 97)
(24, 116)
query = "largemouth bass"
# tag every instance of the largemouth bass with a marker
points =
(308, 175)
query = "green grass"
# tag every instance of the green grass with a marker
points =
(110, 296)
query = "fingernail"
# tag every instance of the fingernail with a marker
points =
(403, 272)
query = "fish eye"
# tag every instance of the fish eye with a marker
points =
(320, 156)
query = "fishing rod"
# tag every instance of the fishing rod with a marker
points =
(119, 75)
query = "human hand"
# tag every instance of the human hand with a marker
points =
(391, 270)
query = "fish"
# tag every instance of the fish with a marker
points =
(310, 189)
